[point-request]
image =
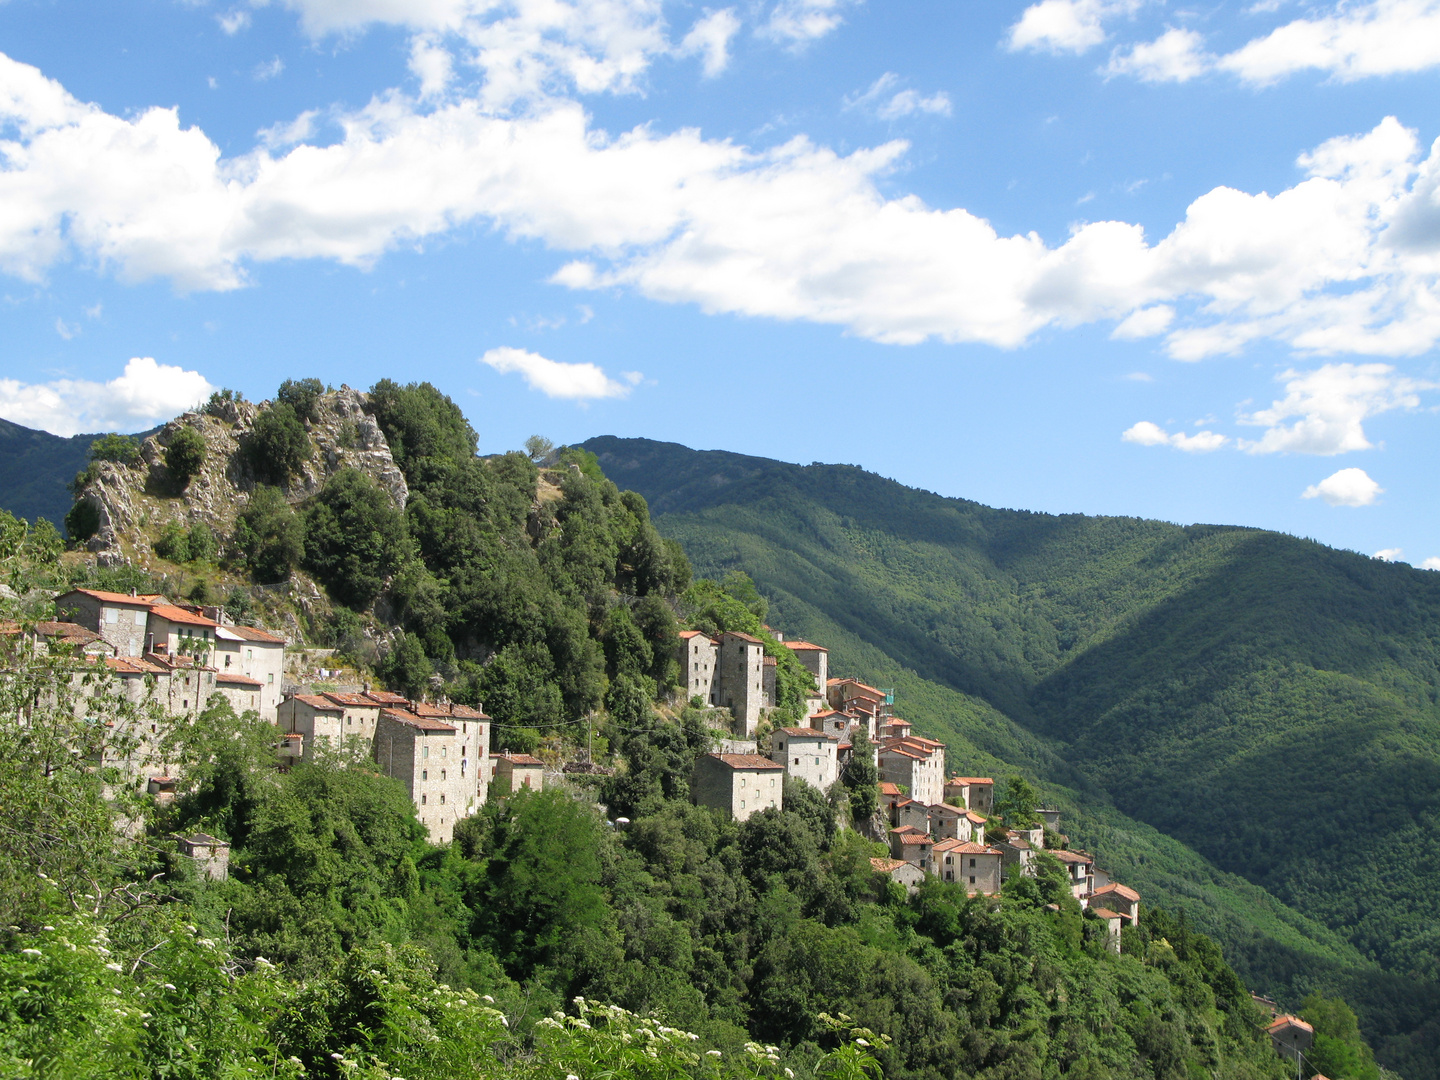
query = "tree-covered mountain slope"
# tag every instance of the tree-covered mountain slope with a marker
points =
(1267, 702)
(35, 468)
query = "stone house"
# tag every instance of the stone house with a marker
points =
(211, 855)
(256, 654)
(360, 714)
(911, 844)
(769, 666)
(516, 771)
(1119, 898)
(807, 754)
(320, 721)
(894, 728)
(121, 619)
(1051, 818)
(177, 631)
(948, 822)
(739, 784)
(977, 867)
(697, 665)
(388, 699)
(828, 720)
(1080, 868)
(1018, 852)
(1290, 1036)
(912, 812)
(50, 637)
(423, 753)
(845, 694)
(900, 872)
(917, 764)
(814, 659)
(740, 680)
(241, 691)
(975, 792)
(977, 824)
(1113, 924)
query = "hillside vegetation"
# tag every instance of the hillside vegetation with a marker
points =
(1267, 702)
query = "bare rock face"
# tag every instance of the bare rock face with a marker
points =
(134, 502)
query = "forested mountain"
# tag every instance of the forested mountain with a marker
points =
(1267, 702)
(35, 468)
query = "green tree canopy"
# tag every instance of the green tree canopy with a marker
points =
(184, 456)
(269, 536)
(355, 538)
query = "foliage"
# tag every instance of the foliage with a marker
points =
(184, 456)
(277, 446)
(861, 776)
(82, 521)
(421, 422)
(179, 544)
(1338, 1051)
(221, 402)
(303, 396)
(121, 449)
(406, 668)
(1017, 803)
(269, 536)
(539, 449)
(354, 538)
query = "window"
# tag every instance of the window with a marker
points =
(227, 661)
(742, 804)
(797, 761)
(442, 777)
(972, 863)
(444, 751)
(972, 879)
(442, 798)
(249, 654)
(425, 752)
(349, 719)
(270, 678)
(742, 781)
(111, 615)
(424, 774)
(423, 800)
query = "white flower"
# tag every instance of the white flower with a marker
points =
(790, 1074)
(50, 928)
(168, 986)
(114, 967)
(571, 1076)
(861, 1042)
(31, 952)
(487, 997)
(712, 1053)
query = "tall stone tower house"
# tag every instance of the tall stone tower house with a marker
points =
(740, 679)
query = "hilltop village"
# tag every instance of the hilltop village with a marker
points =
(177, 656)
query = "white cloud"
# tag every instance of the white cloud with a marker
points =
(880, 100)
(1175, 56)
(270, 69)
(1145, 322)
(233, 22)
(797, 231)
(432, 64)
(1388, 554)
(798, 22)
(143, 395)
(1432, 563)
(66, 330)
(576, 382)
(1348, 487)
(1146, 433)
(1140, 376)
(1072, 26)
(283, 135)
(1351, 41)
(709, 39)
(1327, 408)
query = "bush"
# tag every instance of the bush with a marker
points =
(406, 669)
(277, 447)
(179, 544)
(222, 404)
(303, 396)
(82, 522)
(269, 536)
(184, 456)
(121, 449)
(355, 538)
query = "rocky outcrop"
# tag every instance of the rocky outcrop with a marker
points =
(133, 503)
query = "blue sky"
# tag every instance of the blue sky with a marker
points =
(1110, 256)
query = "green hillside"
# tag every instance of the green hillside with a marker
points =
(35, 466)
(1247, 722)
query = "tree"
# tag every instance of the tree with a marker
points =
(277, 447)
(539, 449)
(269, 536)
(355, 538)
(406, 668)
(1339, 1051)
(184, 456)
(861, 776)
(121, 449)
(419, 422)
(303, 396)
(1017, 804)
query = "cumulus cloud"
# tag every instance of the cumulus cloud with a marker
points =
(1348, 487)
(885, 101)
(1323, 410)
(1146, 433)
(1432, 563)
(1061, 26)
(1175, 56)
(270, 69)
(797, 231)
(234, 21)
(1146, 322)
(432, 64)
(144, 394)
(574, 382)
(709, 39)
(1388, 554)
(799, 22)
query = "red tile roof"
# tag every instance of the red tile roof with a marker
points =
(946, 808)
(746, 761)
(133, 665)
(970, 847)
(238, 680)
(808, 733)
(422, 723)
(179, 615)
(749, 638)
(1288, 1021)
(1119, 890)
(252, 633)
(804, 646)
(386, 697)
(686, 635)
(465, 712)
(887, 788)
(355, 701)
(970, 780)
(520, 759)
(146, 600)
(1106, 913)
(887, 866)
(317, 702)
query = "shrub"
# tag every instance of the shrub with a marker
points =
(83, 521)
(179, 544)
(355, 538)
(302, 395)
(222, 404)
(121, 449)
(269, 536)
(184, 456)
(406, 669)
(277, 447)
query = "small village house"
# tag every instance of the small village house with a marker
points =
(916, 764)
(977, 867)
(975, 792)
(1119, 898)
(807, 754)
(698, 653)
(913, 845)
(1080, 868)
(211, 855)
(899, 871)
(1114, 922)
(513, 772)
(423, 753)
(814, 659)
(739, 784)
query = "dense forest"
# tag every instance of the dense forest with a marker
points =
(1268, 702)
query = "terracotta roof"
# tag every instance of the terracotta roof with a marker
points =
(357, 701)
(1119, 890)
(145, 601)
(804, 646)
(951, 844)
(743, 637)
(904, 751)
(71, 632)
(422, 708)
(316, 702)
(746, 761)
(519, 759)
(1072, 856)
(423, 723)
(251, 633)
(886, 866)
(238, 680)
(978, 819)
(179, 615)
(808, 733)
(168, 662)
(465, 712)
(133, 665)
(386, 697)
(918, 838)
(906, 829)
(686, 635)
(970, 847)
(1288, 1021)
(1017, 843)
(1106, 913)
(970, 780)
(903, 801)
(887, 788)
(825, 714)
(946, 808)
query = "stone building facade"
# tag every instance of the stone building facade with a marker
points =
(424, 755)
(697, 665)
(739, 784)
(977, 867)
(918, 764)
(740, 680)
(814, 659)
(807, 754)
